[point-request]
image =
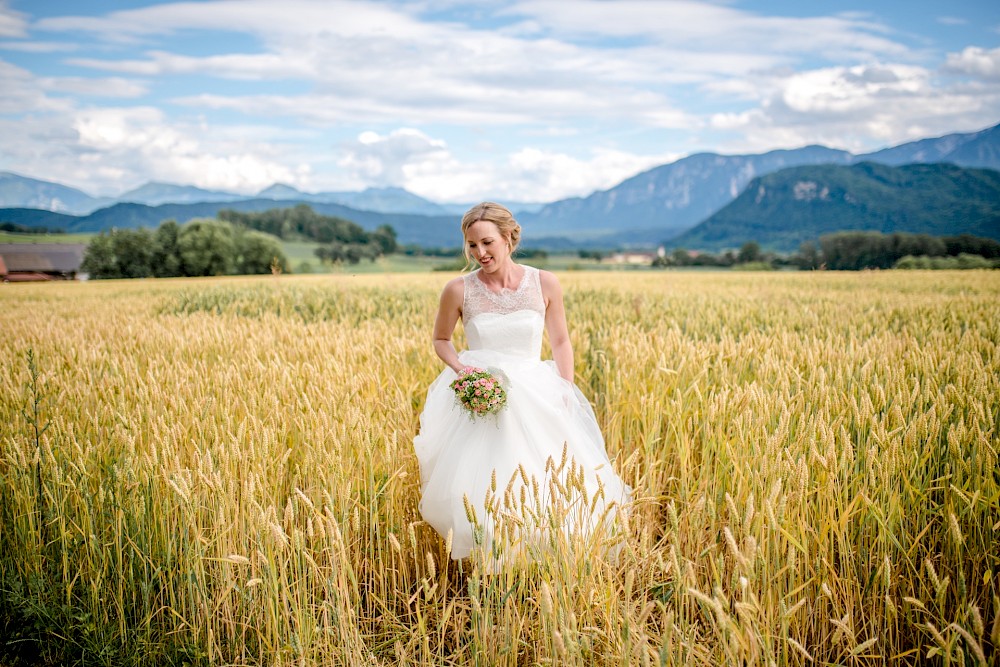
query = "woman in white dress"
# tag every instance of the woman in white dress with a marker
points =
(473, 470)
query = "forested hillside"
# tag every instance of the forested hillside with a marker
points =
(783, 209)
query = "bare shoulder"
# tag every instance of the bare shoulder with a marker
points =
(453, 292)
(549, 281)
(551, 289)
(456, 284)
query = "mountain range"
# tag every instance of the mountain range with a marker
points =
(663, 204)
(18, 191)
(674, 197)
(783, 209)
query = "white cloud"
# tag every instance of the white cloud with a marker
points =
(105, 87)
(711, 27)
(365, 59)
(859, 108)
(329, 110)
(976, 61)
(528, 174)
(22, 94)
(462, 97)
(38, 47)
(429, 167)
(143, 138)
(382, 160)
(380, 63)
(375, 63)
(840, 90)
(231, 66)
(540, 173)
(260, 17)
(110, 150)
(12, 23)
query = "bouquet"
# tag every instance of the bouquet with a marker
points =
(479, 391)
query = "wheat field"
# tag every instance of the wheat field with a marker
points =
(220, 472)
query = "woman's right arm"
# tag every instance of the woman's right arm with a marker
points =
(449, 310)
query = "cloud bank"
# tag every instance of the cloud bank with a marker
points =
(461, 100)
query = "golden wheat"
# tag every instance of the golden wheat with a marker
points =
(220, 472)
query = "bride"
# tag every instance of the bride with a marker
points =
(487, 482)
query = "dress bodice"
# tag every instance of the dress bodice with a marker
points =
(511, 321)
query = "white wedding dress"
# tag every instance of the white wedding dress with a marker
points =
(469, 463)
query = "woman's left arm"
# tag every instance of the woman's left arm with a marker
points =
(555, 324)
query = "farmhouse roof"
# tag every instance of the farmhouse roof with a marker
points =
(42, 257)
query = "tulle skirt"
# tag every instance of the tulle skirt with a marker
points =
(490, 482)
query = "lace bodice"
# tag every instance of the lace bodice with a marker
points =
(481, 299)
(511, 321)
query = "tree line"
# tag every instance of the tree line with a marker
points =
(234, 243)
(343, 240)
(201, 247)
(855, 251)
(25, 229)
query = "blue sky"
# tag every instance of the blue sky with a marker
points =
(521, 100)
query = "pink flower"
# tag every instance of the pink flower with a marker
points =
(478, 391)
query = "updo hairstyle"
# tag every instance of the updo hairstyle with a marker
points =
(499, 216)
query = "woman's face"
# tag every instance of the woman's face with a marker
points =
(487, 245)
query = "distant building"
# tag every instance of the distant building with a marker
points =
(22, 262)
(633, 258)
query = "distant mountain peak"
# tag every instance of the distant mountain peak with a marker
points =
(973, 149)
(154, 193)
(17, 191)
(395, 189)
(160, 186)
(280, 191)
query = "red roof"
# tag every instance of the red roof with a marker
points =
(26, 277)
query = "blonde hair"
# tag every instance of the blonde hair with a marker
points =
(500, 216)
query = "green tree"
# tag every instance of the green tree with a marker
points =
(133, 250)
(749, 252)
(99, 258)
(332, 253)
(808, 257)
(353, 253)
(207, 247)
(973, 245)
(257, 251)
(166, 258)
(384, 237)
(120, 253)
